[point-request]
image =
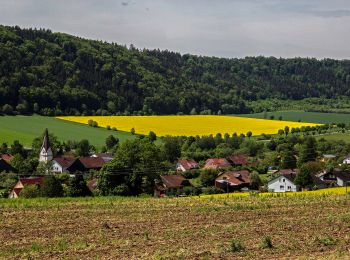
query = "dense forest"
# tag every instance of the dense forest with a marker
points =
(56, 74)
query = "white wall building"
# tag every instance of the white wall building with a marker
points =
(281, 184)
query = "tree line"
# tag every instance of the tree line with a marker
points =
(58, 74)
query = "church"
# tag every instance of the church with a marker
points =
(46, 154)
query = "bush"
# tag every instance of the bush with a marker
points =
(51, 187)
(212, 190)
(108, 127)
(236, 246)
(30, 191)
(266, 242)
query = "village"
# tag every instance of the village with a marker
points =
(234, 173)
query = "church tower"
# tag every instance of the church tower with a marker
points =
(46, 154)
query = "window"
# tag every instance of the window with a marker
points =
(284, 180)
(281, 187)
(289, 187)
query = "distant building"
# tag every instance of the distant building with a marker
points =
(170, 185)
(282, 183)
(343, 178)
(46, 154)
(328, 157)
(346, 160)
(216, 163)
(233, 180)
(238, 159)
(66, 164)
(16, 191)
(107, 157)
(186, 165)
(92, 163)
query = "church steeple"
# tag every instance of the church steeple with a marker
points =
(46, 154)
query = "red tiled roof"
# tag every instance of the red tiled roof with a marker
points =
(235, 178)
(65, 161)
(92, 162)
(188, 164)
(7, 157)
(215, 163)
(172, 181)
(288, 173)
(32, 180)
(239, 159)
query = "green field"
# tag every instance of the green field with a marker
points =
(336, 137)
(26, 128)
(311, 117)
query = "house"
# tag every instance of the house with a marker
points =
(291, 172)
(15, 193)
(6, 156)
(5, 166)
(170, 185)
(92, 163)
(107, 157)
(60, 164)
(346, 160)
(238, 160)
(46, 153)
(186, 165)
(233, 180)
(327, 177)
(216, 163)
(282, 183)
(343, 178)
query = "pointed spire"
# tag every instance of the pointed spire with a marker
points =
(46, 141)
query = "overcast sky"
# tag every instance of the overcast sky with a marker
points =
(225, 28)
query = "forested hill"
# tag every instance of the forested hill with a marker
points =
(54, 73)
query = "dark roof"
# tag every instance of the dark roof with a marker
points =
(65, 161)
(46, 141)
(92, 162)
(5, 166)
(239, 159)
(214, 163)
(188, 164)
(32, 180)
(173, 181)
(343, 175)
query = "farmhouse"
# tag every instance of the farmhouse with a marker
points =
(170, 185)
(216, 163)
(233, 180)
(67, 164)
(238, 160)
(186, 165)
(282, 183)
(15, 193)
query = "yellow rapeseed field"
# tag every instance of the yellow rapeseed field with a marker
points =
(188, 125)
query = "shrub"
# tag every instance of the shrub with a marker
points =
(236, 246)
(114, 129)
(266, 242)
(30, 191)
(212, 190)
(108, 127)
(51, 187)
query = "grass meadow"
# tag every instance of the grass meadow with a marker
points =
(253, 227)
(26, 128)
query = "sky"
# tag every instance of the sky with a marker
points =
(222, 28)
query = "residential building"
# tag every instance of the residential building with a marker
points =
(6, 166)
(170, 185)
(233, 180)
(238, 159)
(216, 163)
(107, 157)
(186, 165)
(282, 183)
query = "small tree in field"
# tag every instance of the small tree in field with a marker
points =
(249, 134)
